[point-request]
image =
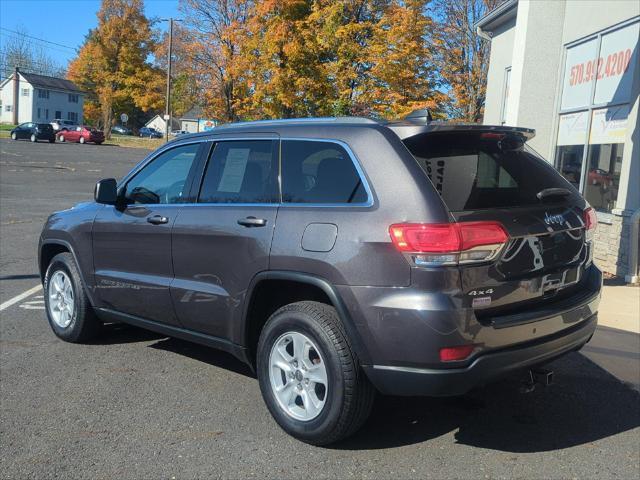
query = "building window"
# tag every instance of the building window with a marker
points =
(43, 93)
(58, 114)
(73, 116)
(7, 108)
(25, 92)
(38, 113)
(594, 109)
(73, 98)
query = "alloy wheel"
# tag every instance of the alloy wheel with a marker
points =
(298, 376)
(61, 299)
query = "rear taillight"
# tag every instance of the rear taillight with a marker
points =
(449, 243)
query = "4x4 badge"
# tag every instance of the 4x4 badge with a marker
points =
(557, 219)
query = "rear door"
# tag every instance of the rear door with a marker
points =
(494, 177)
(221, 242)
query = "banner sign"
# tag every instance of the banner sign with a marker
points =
(572, 129)
(609, 125)
(204, 125)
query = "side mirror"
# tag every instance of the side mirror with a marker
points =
(106, 191)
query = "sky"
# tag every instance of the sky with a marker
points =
(65, 22)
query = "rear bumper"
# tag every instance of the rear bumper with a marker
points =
(392, 380)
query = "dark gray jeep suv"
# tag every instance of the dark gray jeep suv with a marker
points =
(337, 257)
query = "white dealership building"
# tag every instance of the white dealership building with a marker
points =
(569, 69)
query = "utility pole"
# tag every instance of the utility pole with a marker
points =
(167, 111)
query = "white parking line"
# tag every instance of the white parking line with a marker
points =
(22, 296)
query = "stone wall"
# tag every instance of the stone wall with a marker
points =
(612, 244)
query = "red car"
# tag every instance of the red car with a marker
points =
(82, 134)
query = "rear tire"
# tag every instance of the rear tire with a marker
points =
(61, 138)
(69, 311)
(345, 402)
(52, 140)
(82, 140)
(33, 138)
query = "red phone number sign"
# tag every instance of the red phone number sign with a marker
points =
(617, 63)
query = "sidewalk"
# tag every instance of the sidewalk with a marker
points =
(620, 308)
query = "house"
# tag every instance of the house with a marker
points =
(193, 121)
(570, 70)
(160, 124)
(40, 99)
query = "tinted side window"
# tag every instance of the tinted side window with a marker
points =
(164, 180)
(319, 172)
(241, 172)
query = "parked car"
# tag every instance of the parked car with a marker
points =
(177, 133)
(84, 134)
(34, 132)
(60, 125)
(121, 130)
(337, 257)
(149, 132)
(598, 176)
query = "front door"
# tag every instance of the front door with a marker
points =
(223, 241)
(132, 242)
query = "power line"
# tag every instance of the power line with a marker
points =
(16, 37)
(38, 39)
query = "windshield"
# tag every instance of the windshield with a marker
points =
(475, 171)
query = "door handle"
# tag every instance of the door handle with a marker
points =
(252, 222)
(157, 220)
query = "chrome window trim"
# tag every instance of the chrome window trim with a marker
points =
(168, 146)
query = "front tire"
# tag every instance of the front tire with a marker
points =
(61, 138)
(69, 311)
(309, 376)
(14, 136)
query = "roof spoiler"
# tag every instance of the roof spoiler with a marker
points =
(421, 115)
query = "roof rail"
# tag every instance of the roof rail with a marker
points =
(302, 121)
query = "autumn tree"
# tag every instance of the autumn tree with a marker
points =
(211, 34)
(463, 57)
(113, 66)
(402, 76)
(281, 61)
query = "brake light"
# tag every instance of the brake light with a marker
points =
(449, 243)
(452, 354)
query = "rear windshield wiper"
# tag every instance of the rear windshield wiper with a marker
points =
(552, 192)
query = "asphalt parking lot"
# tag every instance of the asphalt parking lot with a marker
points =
(139, 405)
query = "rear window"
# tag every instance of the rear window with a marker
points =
(473, 172)
(45, 126)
